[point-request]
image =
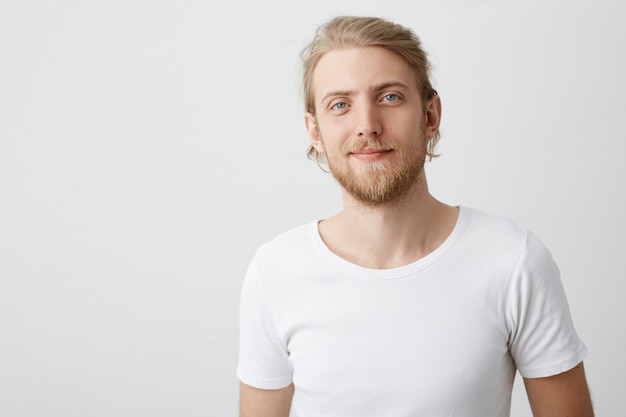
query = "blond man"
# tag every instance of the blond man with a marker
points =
(399, 305)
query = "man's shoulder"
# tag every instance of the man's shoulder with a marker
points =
(290, 254)
(289, 243)
(291, 236)
(502, 246)
(490, 225)
(495, 234)
(503, 238)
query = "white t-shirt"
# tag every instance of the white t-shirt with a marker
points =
(442, 336)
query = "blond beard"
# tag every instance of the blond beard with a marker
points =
(380, 182)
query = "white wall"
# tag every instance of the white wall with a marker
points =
(148, 147)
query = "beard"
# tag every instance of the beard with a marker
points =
(379, 182)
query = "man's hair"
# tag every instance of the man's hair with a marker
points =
(345, 32)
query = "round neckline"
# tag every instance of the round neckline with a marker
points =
(351, 268)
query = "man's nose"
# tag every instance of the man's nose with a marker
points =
(368, 121)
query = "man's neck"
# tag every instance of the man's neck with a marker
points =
(392, 234)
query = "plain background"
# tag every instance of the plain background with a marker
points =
(147, 148)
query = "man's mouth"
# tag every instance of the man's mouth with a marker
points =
(370, 150)
(370, 154)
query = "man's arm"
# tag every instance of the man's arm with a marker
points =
(562, 395)
(254, 402)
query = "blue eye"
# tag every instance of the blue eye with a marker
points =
(340, 106)
(391, 97)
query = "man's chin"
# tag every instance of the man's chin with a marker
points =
(374, 187)
(374, 191)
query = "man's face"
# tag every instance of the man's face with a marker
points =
(369, 122)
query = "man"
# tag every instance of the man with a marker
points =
(399, 305)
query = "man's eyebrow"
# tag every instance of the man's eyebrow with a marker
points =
(335, 94)
(390, 84)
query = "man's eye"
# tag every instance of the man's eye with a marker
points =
(340, 106)
(390, 97)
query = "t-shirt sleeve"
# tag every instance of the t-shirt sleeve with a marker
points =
(542, 341)
(263, 361)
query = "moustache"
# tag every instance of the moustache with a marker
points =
(373, 144)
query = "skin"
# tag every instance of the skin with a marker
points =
(396, 232)
(367, 108)
(254, 402)
(562, 395)
(381, 162)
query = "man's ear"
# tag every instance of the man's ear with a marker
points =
(314, 132)
(432, 114)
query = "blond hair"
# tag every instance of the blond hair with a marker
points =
(352, 31)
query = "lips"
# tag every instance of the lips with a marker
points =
(370, 150)
(370, 154)
(366, 151)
